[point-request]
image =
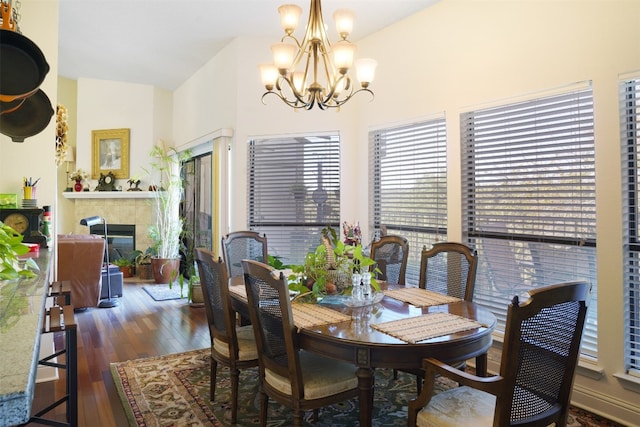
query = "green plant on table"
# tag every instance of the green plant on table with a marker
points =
(328, 269)
(11, 247)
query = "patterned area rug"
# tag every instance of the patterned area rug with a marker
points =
(163, 292)
(173, 391)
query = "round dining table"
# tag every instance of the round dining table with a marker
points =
(357, 341)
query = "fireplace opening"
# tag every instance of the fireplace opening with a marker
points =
(121, 239)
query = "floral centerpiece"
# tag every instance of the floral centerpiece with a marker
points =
(352, 233)
(328, 269)
(79, 175)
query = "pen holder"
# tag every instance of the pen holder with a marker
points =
(29, 192)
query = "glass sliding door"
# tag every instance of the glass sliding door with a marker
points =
(196, 209)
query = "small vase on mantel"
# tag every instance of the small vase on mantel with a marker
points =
(78, 185)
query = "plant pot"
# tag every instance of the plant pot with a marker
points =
(144, 271)
(127, 271)
(197, 297)
(165, 270)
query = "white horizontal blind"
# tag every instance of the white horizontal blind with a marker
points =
(294, 192)
(408, 177)
(630, 138)
(529, 198)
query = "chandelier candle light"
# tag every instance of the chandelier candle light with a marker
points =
(318, 73)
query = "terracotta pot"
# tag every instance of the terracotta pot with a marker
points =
(127, 271)
(165, 270)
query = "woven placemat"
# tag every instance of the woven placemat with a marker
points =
(427, 326)
(420, 297)
(304, 315)
(310, 315)
(240, 291)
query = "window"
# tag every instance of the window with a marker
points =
(294, 192)
(408, 167)
(528, 192)
(630, 137)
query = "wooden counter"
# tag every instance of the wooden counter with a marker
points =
(21, 310)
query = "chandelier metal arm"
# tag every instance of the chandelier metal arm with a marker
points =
(329, 87)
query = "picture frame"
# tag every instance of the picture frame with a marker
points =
(110, 153)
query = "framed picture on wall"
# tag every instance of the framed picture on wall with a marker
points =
(110, 153)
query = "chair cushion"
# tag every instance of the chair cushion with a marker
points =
(246, 344)
(322, 377)
(458, 407)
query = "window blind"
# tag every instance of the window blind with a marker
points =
(529, 199)
(408, 177)
(630, 138)
(293, 192)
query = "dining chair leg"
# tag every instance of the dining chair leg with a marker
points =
(315, 415)
(264, 405)
(212, 386)
(235, 381)
(297, 418)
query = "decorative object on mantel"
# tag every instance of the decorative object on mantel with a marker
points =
(69, 158)
(318, 73)
(110, 153)
(62, 146)
(106, 182)
(78, 176)
(134, 185)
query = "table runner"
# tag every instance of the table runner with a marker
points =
(304, 315)
(420, 328)
(420, 297)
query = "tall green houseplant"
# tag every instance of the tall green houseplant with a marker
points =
(169, 191)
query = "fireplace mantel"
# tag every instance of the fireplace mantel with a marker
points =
(108, 194)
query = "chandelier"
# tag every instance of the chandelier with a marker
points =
(314, 72)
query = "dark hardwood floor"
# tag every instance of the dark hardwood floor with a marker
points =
(139, 327)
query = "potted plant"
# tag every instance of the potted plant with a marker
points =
(125, 265)
(143, 263)
(328, 269)
(167, 230)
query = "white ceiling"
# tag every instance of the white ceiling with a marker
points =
(163, 42)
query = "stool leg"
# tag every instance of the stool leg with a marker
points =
(72, 377)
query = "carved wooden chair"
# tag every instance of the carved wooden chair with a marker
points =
(539, 358)
(231, 346)
(293, 377)
(240, 245)
(390, 253)
(449, 268)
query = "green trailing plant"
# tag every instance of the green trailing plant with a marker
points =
(328, 269)
(11, 247)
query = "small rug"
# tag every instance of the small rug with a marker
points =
(162, 292)
(173, 391)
